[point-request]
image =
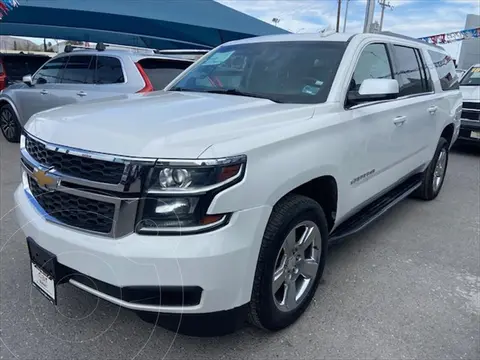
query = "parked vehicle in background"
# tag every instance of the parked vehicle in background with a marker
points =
(460, 73)
(13, 67)
(183, 54)
(470, 87)
(81, 75)
(216, 199)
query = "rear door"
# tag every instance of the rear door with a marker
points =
(161, 72)
(418, 107)
(76, 83)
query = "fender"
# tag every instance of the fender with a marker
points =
(6, 99)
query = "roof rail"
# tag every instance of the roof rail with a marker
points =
(99, 47)
(400, 36)
(181, 52)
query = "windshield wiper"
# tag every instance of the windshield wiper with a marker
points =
(240, 93)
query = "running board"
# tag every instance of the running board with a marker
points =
(376, 209)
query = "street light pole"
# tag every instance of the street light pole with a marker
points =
(369, 11)
(339, 10)
(345, 18)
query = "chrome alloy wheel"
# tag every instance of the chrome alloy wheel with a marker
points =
(439, 172)
(7, 123)
(296, 266)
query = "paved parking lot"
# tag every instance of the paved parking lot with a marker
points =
(406, 287)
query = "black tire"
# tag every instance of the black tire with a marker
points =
(290, 211)
(428, 191)
(9, 124)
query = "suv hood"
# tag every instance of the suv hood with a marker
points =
(160, 124)
(470, 93)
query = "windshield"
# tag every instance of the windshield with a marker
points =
(472, 78)
(287, 72)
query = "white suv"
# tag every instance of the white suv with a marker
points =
(217, 198)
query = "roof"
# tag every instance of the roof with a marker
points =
(342, 37)
(333, 36)
(159, 24)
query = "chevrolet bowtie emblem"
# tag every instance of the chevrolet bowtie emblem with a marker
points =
(45, 180)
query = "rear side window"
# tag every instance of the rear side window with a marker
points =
(161, 72)
(374, 63)
(51, 72)
(79, 70)
(410, 74)
(109, 71)
(445, 69)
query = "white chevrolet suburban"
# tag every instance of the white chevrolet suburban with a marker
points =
(215, 200)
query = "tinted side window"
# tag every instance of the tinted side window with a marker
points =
(445, 69)
(427, 79)
(373, 64)
(109, 71)
(51, 72)
(79, 70)
(161, 72)
(408, 72)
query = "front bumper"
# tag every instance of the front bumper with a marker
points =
(221, 263)
(466, 129)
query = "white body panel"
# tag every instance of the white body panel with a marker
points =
(286, 146)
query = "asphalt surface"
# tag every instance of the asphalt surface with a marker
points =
(406, 287)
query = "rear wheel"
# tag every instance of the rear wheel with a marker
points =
(290, 264)
(9, 124)
(434, 175)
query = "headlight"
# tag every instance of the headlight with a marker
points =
(178, 195)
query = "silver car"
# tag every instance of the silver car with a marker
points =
(81, 75)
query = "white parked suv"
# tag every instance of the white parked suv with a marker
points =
(217, 198)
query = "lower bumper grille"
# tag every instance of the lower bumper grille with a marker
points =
(76, 211)
(471, 115)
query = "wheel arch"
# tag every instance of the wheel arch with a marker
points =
(6, 101)
(447, 133)
(324, 190)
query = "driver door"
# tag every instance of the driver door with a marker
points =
(37, 97)
(373, 137)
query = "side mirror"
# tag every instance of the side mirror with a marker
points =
(27, 79)
(374, 90)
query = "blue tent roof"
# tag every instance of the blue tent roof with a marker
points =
(158, 24)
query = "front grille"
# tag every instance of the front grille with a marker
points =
(471, 105)
(74, 210)
(76, 166)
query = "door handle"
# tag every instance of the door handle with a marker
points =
(44, 92)
(399, 120)
(432, 109)
(82, 93)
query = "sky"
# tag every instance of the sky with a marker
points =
(416, 18)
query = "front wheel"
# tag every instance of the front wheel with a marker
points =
(9, 124)
(434, 175)
(291, 262)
